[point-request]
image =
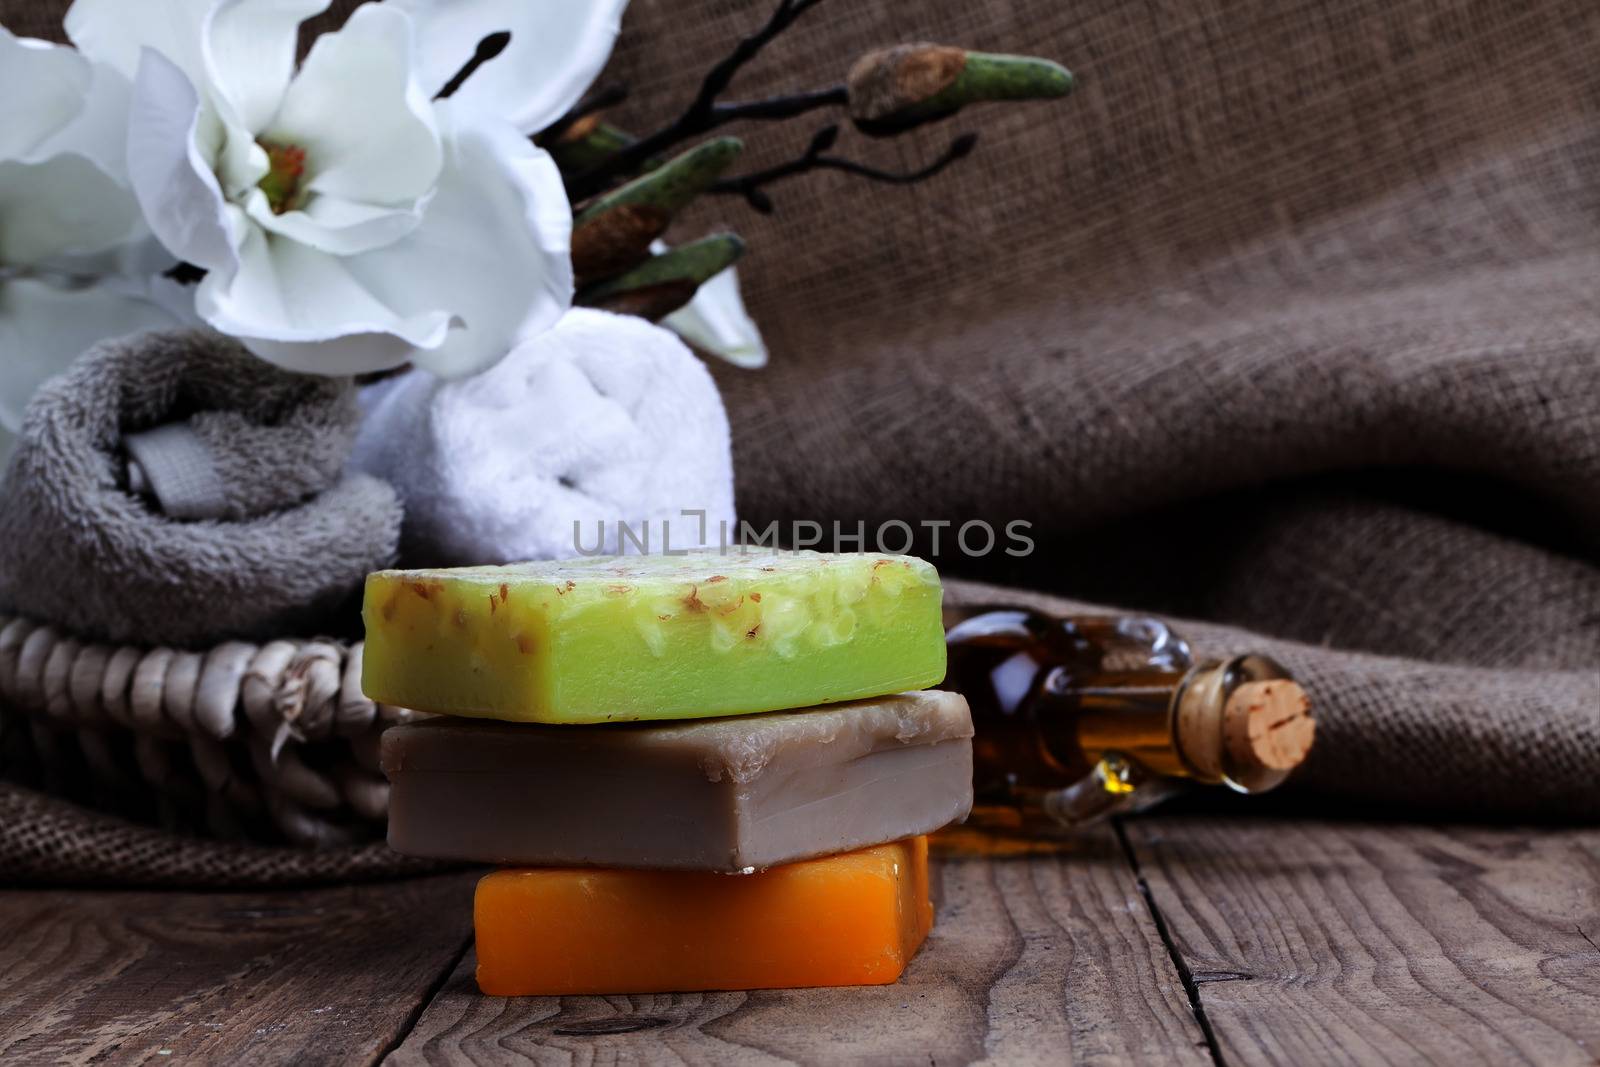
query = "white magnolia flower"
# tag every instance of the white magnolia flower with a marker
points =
(71, 241)
(347, 221)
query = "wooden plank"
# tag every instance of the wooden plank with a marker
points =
(1042, 958)
(291, 976)
(1366, 943)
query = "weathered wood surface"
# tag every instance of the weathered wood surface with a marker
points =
(1300, 941)
(1358, 943)
(294, 976)
(1051, 958)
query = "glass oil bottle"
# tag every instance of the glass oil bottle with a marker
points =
(1083, 717)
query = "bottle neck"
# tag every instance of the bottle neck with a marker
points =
(1242, 722)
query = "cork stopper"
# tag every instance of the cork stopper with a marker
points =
(1245, 723)
(1267, 725)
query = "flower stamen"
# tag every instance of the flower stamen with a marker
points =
(286, 166)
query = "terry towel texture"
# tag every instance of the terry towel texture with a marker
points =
(1288, 319)
(259, 450)
(604, 419)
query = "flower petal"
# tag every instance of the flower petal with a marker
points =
(42, 87)
(359, 112)
(249, 51)
(44, 327)
(62, 208)
(240, 163)
(716, 321)
(116, 32)
(100, 129)
(168, 169)
(53, 100)
(335, 225)
(557, 49)
(303, 310)
(494, 247)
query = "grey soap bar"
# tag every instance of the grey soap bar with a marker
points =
(706, 794)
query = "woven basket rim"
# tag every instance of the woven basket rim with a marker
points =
(289, 711)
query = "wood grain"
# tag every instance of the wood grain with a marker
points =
(1362, 943)
(1302, 942)
(313, 976)
(1048, 957)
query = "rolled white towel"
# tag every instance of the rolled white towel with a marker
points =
(602, 419)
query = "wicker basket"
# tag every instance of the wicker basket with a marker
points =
(268, 743)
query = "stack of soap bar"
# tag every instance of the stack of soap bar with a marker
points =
(710, 795)
(852, 919)
(652, 637)
(775, 840)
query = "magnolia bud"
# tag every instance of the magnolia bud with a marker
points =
(589, 142)
(895, 89)
(663, 284)
(614, 233)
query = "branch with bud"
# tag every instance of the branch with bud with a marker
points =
(629, 188)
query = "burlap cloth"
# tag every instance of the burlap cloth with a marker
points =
(1289, 320)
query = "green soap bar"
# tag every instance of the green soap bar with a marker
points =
(610, 639)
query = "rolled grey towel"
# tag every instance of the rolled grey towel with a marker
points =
(173, 489)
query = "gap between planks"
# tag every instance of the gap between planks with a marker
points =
(1357, 942)
(1190, 986)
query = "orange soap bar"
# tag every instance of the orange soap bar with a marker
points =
(850, 919)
